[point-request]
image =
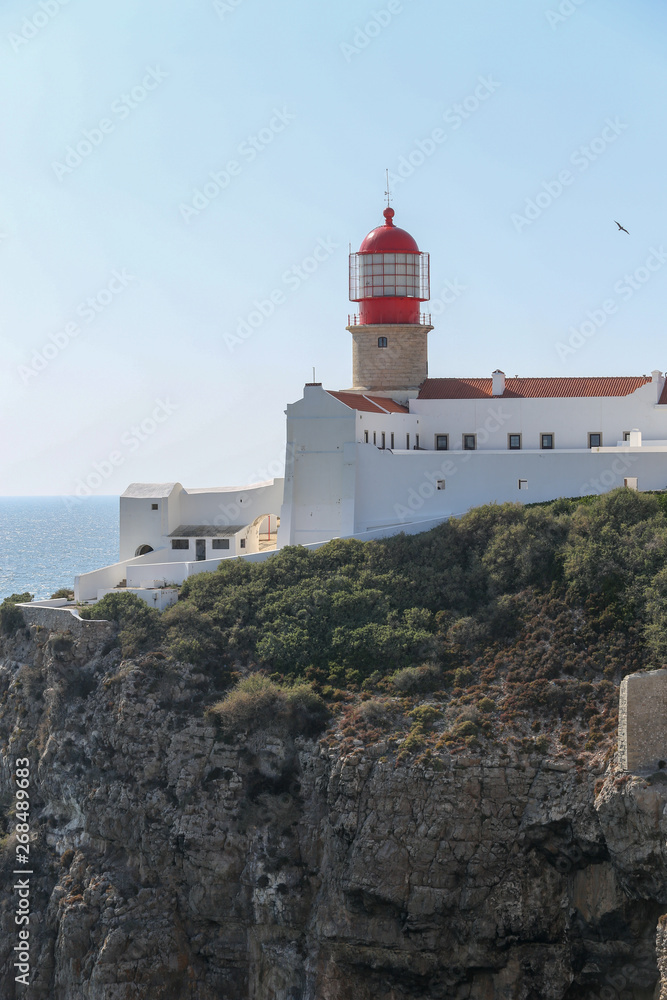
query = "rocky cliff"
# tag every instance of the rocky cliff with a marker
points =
(169, 863)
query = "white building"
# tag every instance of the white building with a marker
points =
(399, 450)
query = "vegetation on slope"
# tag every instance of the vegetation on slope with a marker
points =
(511, 616)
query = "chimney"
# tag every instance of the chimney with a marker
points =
(635, 438)
(497, 383)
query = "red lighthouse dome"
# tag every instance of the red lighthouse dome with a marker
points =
(389, 276)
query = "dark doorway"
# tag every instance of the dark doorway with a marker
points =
(200, 549)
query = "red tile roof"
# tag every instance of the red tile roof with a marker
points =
(532, 388)
(371, 404)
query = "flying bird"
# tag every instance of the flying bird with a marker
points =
(621, 227)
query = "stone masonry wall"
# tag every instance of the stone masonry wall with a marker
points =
(63, 620)
(403, 364)
(642, 720)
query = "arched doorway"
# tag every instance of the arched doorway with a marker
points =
(143, 550)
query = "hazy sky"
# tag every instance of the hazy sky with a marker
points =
(132, 336)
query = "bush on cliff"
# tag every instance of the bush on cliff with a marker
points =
(354, 610)
(11, 618)
(257, 702)
(141, 627)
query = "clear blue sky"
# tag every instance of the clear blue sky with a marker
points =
(170, 93)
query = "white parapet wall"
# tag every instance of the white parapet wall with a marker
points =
(159, 597)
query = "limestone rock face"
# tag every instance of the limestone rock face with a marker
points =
(171, 865)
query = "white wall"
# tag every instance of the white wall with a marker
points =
(402, 487)
(319, 473)
(140, 525)
(570, 420)
(233, 505)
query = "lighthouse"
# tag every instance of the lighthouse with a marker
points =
(389, 278)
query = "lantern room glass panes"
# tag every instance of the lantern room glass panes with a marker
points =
(389, 274)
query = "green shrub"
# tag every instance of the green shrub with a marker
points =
(63, 592)
(423, 717)
(418, 680)
(141, 627)
(257, 702)
(11, 617)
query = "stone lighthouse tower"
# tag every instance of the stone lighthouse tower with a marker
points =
(389, 278)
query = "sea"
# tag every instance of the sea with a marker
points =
(46, 541)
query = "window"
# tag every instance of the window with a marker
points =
(417, 442)
(391, 438)
(365, 437)
(180, 543)
(595, 440)
(407, 442)
(546, 441)
(523, 484)
(442, 442)
(440, 484)
(382, 341)
(383, 445)
(153, 506)
(375, 437)
(242, 543)
(514, 442)
(469, 442)
(220, 543)
(626, 435)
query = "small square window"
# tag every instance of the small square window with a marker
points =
(382, 341)
(180, 543)
(220, 543)
(523, 484)
(154, 506)
(469, 442)
(442, 442)
(595, 440)
(242, 543)
(514, 442)
(441, 484)
(546, 441)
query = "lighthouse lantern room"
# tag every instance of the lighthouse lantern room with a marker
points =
(389, 278)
